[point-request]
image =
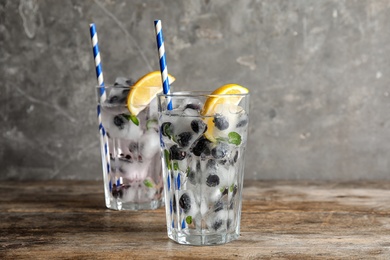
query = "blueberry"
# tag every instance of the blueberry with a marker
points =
(192, 106)
(235, 157)
(191, 177)
(211, 164)
(113, 99)
(198, 166)
(167, 129)
(217, 224)
(117, 191)
(221, 122)
(242, 122)
(225, 191)
(130, 82)
(125, 92)
(218, 206)
(119, 122)
(197, 125)
(223, 162)
(220, 151)
(202, 146)
(176, 154)
(185, 202)
(183, 139)
(133, 147)
(212, 180)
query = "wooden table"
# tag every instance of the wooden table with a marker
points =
(280, 220)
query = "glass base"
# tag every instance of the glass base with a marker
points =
(203, 240)
(119, 205)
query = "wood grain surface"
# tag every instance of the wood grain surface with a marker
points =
(280, 220)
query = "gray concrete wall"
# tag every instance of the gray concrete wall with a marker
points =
(318, 72)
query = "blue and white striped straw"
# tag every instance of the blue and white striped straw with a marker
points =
(163, 62)
(101, 96)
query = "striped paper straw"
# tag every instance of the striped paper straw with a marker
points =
(101, 97)
(163, 62)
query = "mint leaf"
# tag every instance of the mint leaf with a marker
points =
(148, 183)
(175, 166)
(151, 123)
(134, 119)
(167, 131)
(234, 138)
(131, 118)
(189, 220)
(167, 160)
(231, 188)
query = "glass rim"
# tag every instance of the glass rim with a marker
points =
(198, 93)
(122, 86)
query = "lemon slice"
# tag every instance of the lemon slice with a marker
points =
(144, 90)
(212, 102)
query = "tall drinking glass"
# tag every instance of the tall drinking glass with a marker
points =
(130, 152)
(203, 153)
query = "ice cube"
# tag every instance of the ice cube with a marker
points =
(117, 94)
(192, 103)
(204, 208)
(225, 176)
(229, 118)
(135, 171)
(183, 131)
(149, 144)
(211, 194)
(124, 81)
(129, 194)
(217, 221)
(187, 202)
(120, 126)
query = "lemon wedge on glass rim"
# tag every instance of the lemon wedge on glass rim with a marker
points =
(213, 101)
(144, 90)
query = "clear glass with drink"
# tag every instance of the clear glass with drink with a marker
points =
(203, 140)
(131, 158)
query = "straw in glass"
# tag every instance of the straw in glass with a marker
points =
(102, 98)
(163, 63)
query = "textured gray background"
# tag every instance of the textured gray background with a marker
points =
(318, 72)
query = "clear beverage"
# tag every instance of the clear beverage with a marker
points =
(132, 169)
(203, 179)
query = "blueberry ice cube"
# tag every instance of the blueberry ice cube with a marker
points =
(221, 122)
(196, 107)
(118, 94)
(220, 150)
(183, 139)
(242, 120)
(119, 121)
(202, 146)
(216, 224)
(192, 177)
(218, 206)
(123, 81)
(198, 125)
(212, 180)
(185, 202)
(217, 220)
(211, 164)
(176, 153)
